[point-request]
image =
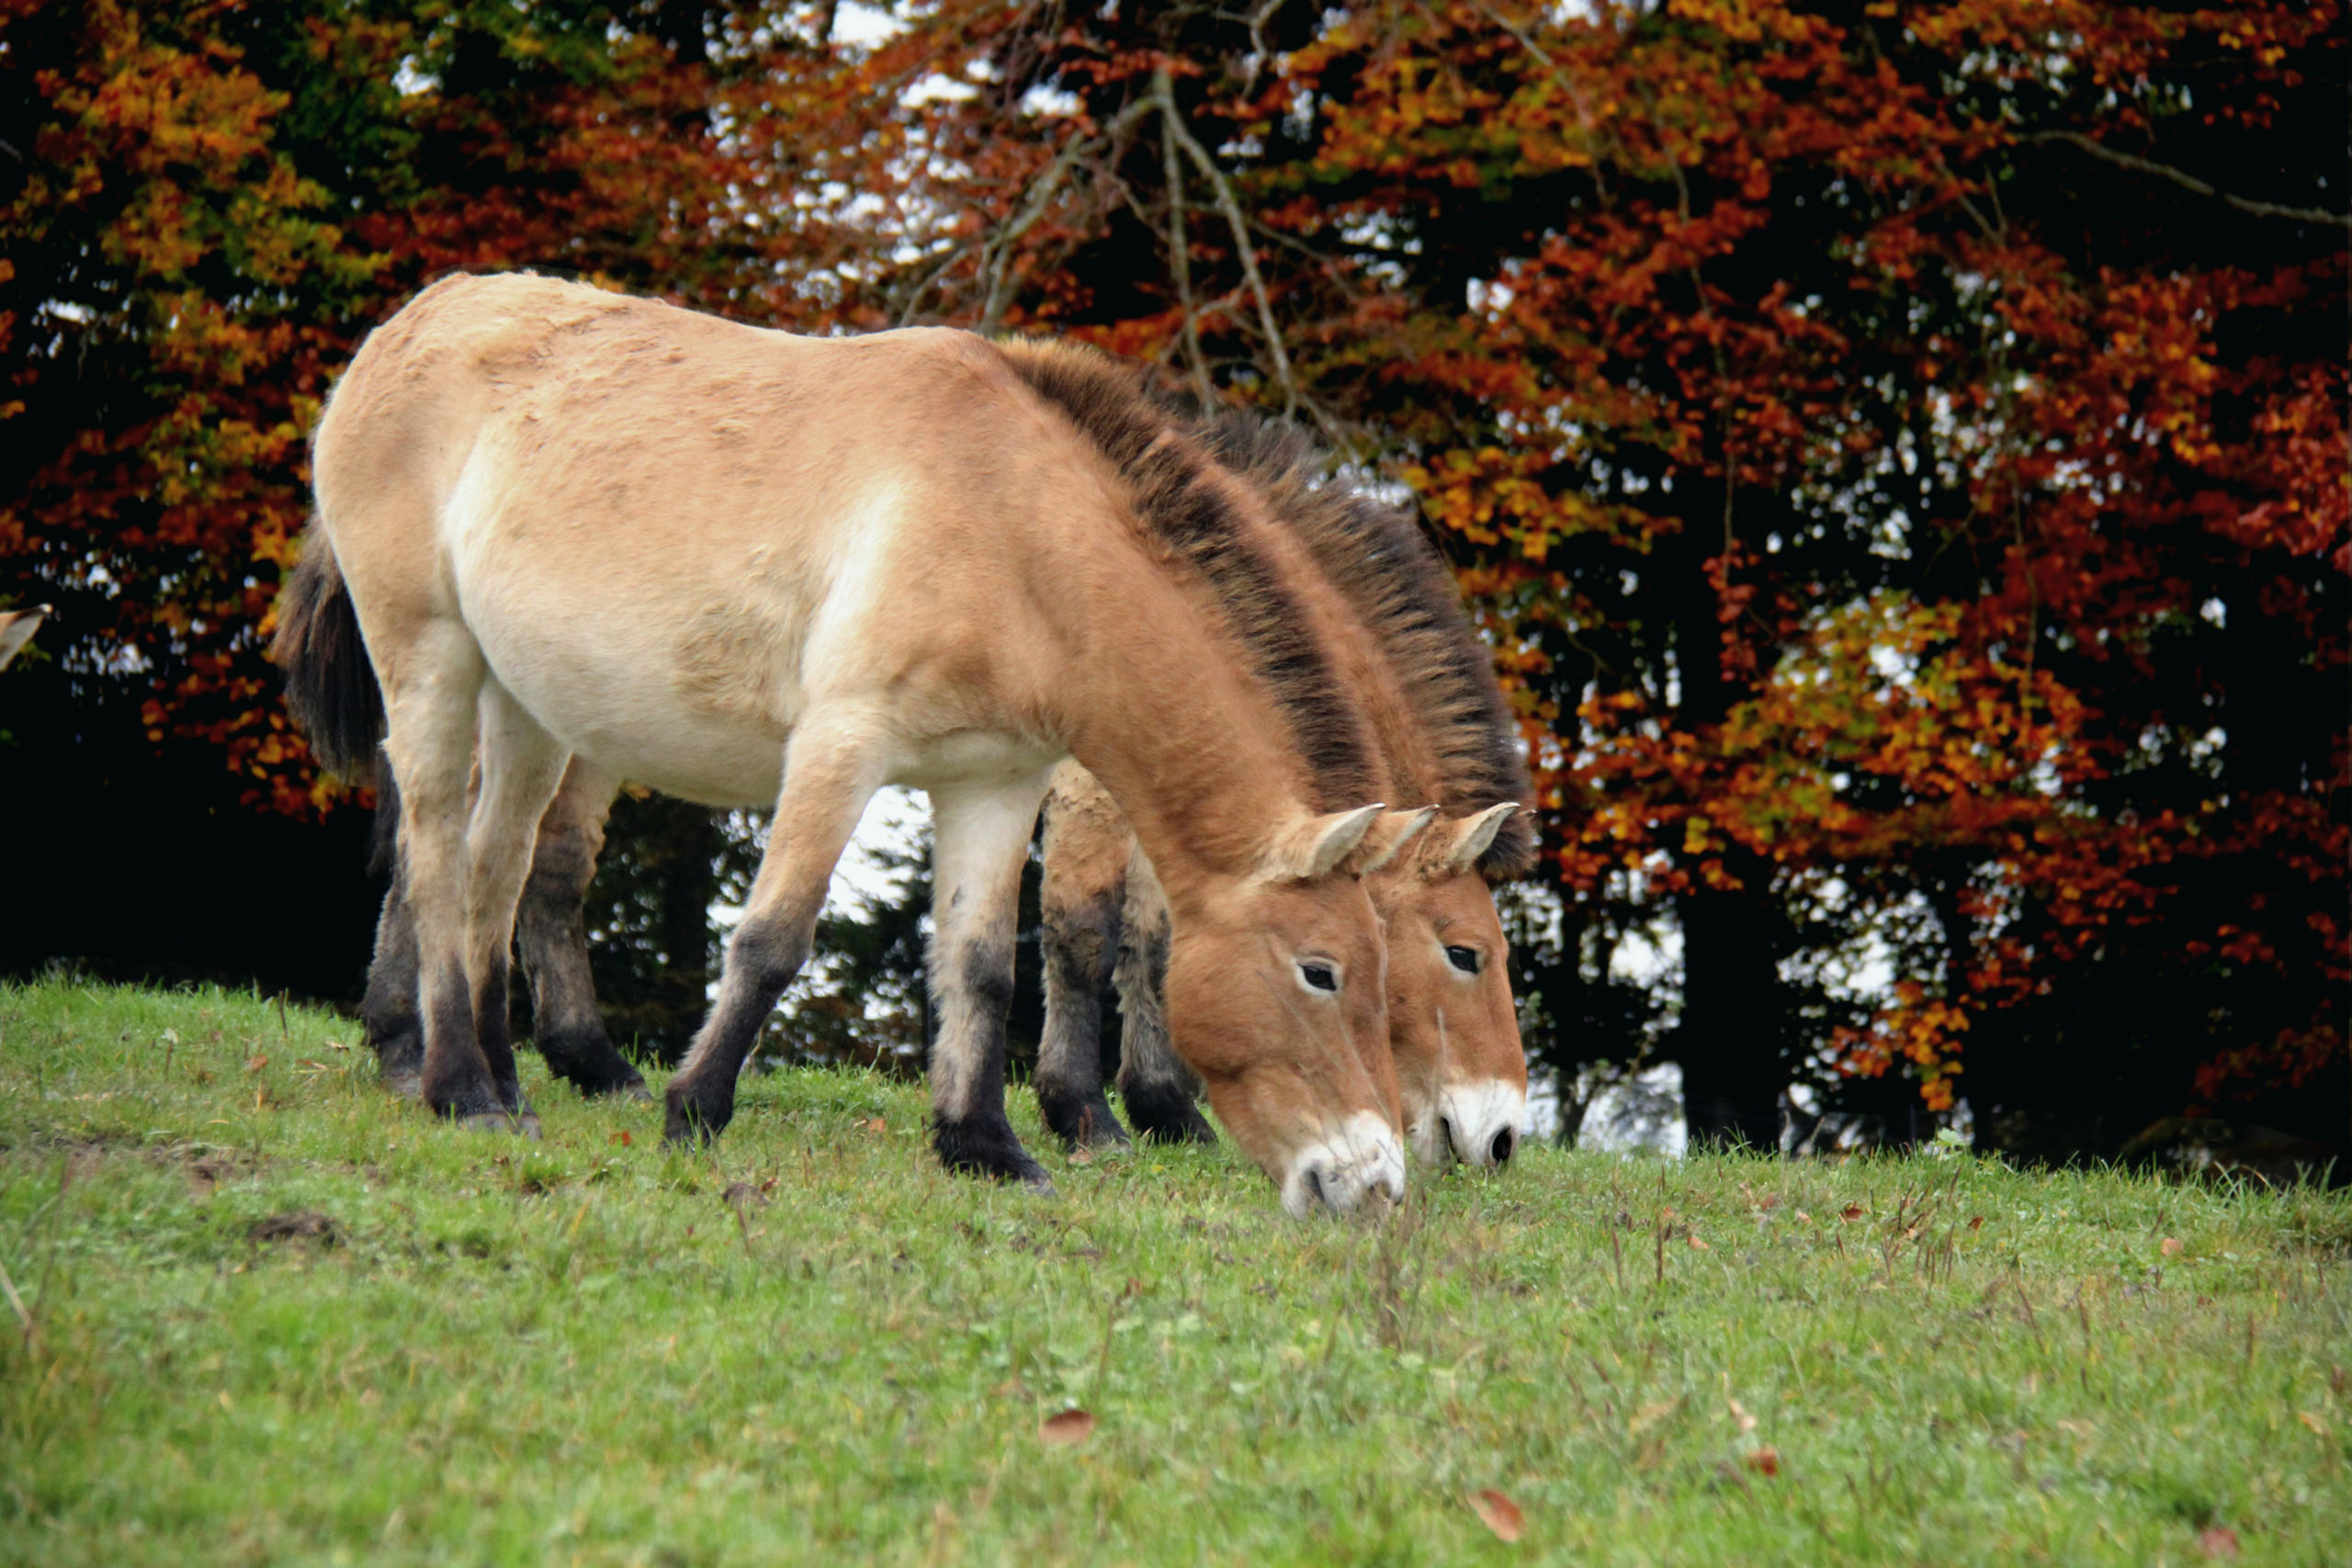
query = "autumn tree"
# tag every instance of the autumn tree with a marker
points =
(203, 205)
(1899, 451)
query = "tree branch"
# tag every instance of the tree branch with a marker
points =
(1179, 250)
(2187, 181)
(1163, 92)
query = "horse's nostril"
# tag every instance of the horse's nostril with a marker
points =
(1503, 1144)
(1315, 1185)
(1445, 1134)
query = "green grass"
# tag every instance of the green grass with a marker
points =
(583, 1351)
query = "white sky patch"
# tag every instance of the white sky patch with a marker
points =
(864, 27)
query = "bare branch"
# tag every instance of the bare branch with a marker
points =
(1180, 245)
(2187, 181)
(1164, 92)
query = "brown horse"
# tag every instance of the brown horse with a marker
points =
(1443, 734)
(741, 565)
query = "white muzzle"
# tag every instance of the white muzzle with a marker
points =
(1358, 1165)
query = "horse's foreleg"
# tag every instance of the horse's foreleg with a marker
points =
(1085, 880)
(1159, 1090)
(829, 775)
(551, 932)
(980, 841)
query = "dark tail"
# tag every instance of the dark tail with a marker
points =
(330, 685)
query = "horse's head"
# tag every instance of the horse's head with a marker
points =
(1461, 1071)
(1277, 996)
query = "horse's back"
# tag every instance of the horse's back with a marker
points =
(667, 531)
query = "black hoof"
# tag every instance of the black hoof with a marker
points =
(590, 1065)
(399, 1063)
(687, 1122)
(987, 1148)
(1164, 1113)
(1081, 1121)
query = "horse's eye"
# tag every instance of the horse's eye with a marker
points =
(1319, 976)
(1463, 958)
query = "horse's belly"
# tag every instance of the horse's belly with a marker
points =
(626, 689)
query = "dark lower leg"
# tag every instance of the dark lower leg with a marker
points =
(968, 1127)
(457, 1080)
(1081, 940)
(493, 1029)
(761, 962)
(394, 1027)
(1158, 1090)
(551, 927)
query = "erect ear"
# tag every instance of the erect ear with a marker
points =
(1473, 834)
(17, 629)
(1313, 846)
(1387, 836)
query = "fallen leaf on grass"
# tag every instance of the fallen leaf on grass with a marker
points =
(1853, 1211)
(2171, 1245)
(1700, 1244)
(2313, 1422)
(2218, 1541)
(877, 1124)
(255, 1063)
(1977, 1221)
(1739, 1413)
(622, 1137)
(741, 1193)
(1498, 1514)
(1065, 1430)
(1764, 1461)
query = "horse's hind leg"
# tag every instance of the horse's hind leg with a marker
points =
(980, 837)
(829, 775)
(551, 932)
(433, 678)
(389, 1012)
(1086, 872)
(1159, 1089)
(521, 766)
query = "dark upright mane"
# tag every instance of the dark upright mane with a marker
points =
(1377, 557)
(1179, 496)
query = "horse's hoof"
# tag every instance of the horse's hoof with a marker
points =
(408, 1086)
(498, 1121)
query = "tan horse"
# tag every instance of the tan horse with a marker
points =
(740, 566)
(1443, 735)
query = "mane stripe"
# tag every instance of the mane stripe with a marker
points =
(1379, 559)
(1177, 497)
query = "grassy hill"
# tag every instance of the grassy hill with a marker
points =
(256, 1311)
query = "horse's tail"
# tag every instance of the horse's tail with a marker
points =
(331, 687)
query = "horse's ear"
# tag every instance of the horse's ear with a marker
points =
(1387, 836)
(16, 628)
(1314, 846)
(1472, 835)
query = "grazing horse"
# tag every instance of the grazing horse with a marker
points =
(740, 566)
(1443, 734)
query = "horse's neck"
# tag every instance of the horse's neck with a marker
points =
(1187, 742)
